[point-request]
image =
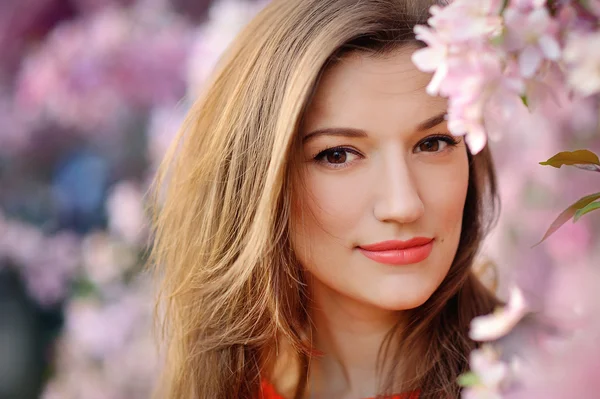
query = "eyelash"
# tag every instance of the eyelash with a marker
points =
(450, 140)
(319, 158)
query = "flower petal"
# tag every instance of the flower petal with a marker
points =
(529, 61)
(550, 47)
(539, 20)
(428, 59)
(496, 325)
(476, 139)
(433, 87)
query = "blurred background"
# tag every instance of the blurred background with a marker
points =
(91, 93)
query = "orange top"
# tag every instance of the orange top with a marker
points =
(268, 392)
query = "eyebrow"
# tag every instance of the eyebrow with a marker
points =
(335, 131)
(358, 133)
(432, 122)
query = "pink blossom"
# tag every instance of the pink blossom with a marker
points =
(527, 5)
(125, 208)
(98, 329)
(532, 34)
(106, 259)
(19, 241)
(51, 268)
(163, 126)
(48, 264)
(466, 20)
(491, 372)
(583, 58)
(567, 365)
(433, 58)
(225, 19)
(477, 81)
(92, 74)
(81, 382)
(108, 349)
(496, 325)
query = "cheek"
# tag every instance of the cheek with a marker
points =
(329, 204)
(327, 211)
(443, 191)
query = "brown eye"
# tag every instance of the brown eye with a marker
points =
(336, 156)
(430, 145)
(435, 144)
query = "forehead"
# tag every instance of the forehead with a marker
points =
(365, 91)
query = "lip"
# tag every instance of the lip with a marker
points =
(397, 252)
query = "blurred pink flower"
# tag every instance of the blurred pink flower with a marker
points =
(583, 58)
(225, 20)
(491, 372)
(81, 382)
(108, 349)
(432, 58)
(126, 216)
(52, 268)
(98, 329)
(92, 6)
(476, 83)
(19, 241)
(527, 5)
(14, 137)
(496, 325)
(568, 364)
(93, 72)
(106, 259)
(47, 264)
(136, 366)
(533, 35)
(466, 20)
(467, 69)
(164, 124)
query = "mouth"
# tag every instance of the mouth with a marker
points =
(398, 252)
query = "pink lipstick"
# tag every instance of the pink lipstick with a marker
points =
(396, 252)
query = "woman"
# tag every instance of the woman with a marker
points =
(316, 223)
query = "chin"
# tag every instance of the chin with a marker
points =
(404, 292)
(406, 301)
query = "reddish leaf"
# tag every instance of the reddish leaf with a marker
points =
(568, 214)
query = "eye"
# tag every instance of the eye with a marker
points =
(337, 157)
(435, 143)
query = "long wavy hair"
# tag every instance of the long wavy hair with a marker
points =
(231, 291)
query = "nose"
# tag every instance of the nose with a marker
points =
(398, 200)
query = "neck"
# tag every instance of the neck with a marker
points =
(350, 333)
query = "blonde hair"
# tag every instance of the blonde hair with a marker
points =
(230, 288)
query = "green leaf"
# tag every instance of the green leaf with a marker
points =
(588, 208)
(582, 159)
(468, 379)
(525, 100)
(568, 214)
(84, 288)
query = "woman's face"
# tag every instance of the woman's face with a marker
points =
(379, 201)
